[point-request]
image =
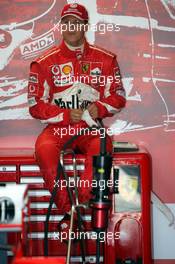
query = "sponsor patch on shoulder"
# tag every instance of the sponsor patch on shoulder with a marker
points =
(33, 89)
(33, 78)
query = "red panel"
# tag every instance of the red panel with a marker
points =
(35, 260)
(134, 231)
(136, 225)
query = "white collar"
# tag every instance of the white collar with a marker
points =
(81, 47)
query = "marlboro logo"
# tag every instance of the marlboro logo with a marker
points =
(74, 103)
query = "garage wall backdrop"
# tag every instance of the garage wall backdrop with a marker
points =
(143, 37)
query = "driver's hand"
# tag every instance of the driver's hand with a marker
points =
(93, 111)
(75, 115)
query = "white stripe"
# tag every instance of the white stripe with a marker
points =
(7, 168)
(146, 79)
(71, 167)
(162, 58)
(42, 218)
(110, 109)
(45, 96)
(31, 180)
(29, 168)
(53, 120)
(35, 168)
(102, 51)
(44, 57)
(89, 259)
(11, 229)
(145, 55)
(166, 45)
(53, 218)
(38, 193)
(107, 89)
(40, 235)
(41, 205)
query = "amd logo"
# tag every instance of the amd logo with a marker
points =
(38, 44)
(7, 210)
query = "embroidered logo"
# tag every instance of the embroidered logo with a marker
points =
(33, 78)
(85, 67)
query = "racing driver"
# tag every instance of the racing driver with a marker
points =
(71, 86)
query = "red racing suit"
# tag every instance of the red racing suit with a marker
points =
(60, 81)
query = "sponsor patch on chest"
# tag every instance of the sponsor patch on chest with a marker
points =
(61, 74)
(91, 68)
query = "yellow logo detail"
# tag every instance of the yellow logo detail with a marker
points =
(67, 69)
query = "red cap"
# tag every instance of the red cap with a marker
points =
(75, 10)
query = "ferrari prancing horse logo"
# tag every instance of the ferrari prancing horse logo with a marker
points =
(85, 67)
